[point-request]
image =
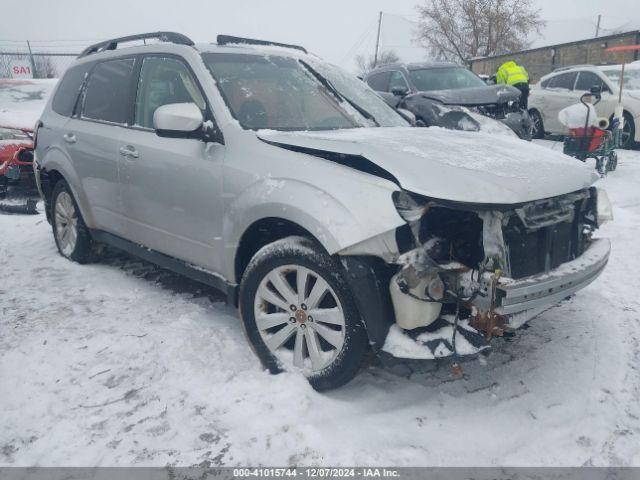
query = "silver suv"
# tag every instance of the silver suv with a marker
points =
(330, 222)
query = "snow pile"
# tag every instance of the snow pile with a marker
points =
(575, 116)
(430, 345)
(22, 101)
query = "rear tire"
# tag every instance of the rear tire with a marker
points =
(612, 161)
(282, 287)
(628, 133)
(537, 126)
(71, 234)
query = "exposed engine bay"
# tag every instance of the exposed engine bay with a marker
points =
(459, 262)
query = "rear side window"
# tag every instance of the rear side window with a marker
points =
(564, 80)
(66, 96)
(379, 81)
(108, 90)
(586, 80)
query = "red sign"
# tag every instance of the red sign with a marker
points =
(21, 69)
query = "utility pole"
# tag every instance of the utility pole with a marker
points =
(33, 63)
(598, 25)
(375, 57)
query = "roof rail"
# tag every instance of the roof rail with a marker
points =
(228, 39)
(569, 67)
(112, 44)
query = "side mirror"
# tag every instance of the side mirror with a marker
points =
(178, 120)
(400, 91)
(407, 115)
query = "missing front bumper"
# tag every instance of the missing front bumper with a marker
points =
(515, 302)
(545, 289)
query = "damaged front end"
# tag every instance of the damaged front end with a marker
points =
(18, 192)
(484, 270)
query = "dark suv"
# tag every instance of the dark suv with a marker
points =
(423, 87)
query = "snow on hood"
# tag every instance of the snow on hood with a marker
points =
(22, 101)
(474, 96)
(471, 167)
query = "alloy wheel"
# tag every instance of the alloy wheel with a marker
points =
(66, 219)
(300, 318)
(536, 125)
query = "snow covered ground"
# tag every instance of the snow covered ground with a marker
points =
(120, 363)
(22, 101)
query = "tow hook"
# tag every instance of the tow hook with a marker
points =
(491, 323)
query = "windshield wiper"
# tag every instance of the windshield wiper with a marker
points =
(329, 86)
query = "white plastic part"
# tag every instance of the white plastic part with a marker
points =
(619, 114)
(575, 116)
(410, 312)
(603, 207)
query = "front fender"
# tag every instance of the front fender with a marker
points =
(336, 219)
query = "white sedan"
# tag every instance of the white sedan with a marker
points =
(564, 87)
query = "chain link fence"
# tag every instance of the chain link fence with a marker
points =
(44, 65)
(46, 60)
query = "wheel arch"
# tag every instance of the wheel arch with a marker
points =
(366, 275)
(263, 232)
(48, 180)
(296, 207)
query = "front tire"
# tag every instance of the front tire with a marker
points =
(537, 126)
(299, 314)
(69, 230)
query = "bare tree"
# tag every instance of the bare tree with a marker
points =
(45, 67)
(463, 29)
(366, 64)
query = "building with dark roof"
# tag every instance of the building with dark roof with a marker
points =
(543, 60)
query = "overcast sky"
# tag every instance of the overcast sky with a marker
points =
(337, 30)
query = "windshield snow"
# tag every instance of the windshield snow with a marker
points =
(448, 78)
(631, 77)
(355, 90)
(282, 93)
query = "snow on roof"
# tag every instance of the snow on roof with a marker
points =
(253, 49)
(22, 101)
(628, 66)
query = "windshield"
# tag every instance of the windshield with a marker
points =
(358, 92)
(631, 78)
(448, 78)
(282, 93)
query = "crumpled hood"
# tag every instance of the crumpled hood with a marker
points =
(472, 167)
(473, 97)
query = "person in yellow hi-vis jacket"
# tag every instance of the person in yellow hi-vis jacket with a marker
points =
(510, 73)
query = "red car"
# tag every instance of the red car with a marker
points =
(16, 157)
(21, 103)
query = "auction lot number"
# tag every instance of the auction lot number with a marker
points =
(314, 472)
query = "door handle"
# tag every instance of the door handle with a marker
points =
(69, 138)
(128, 151)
